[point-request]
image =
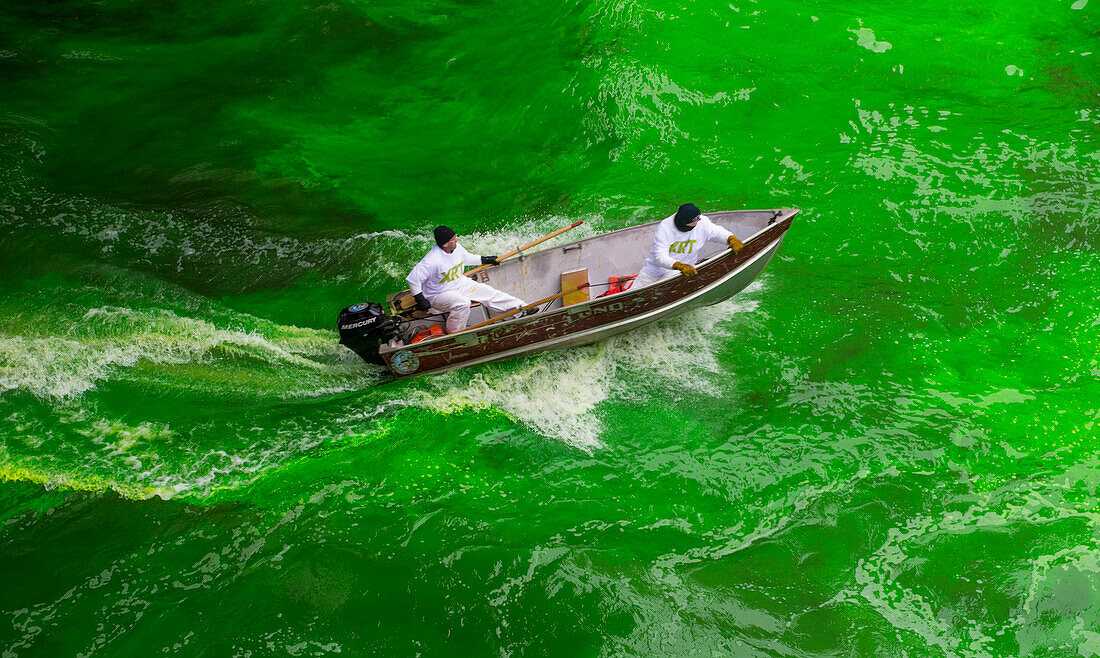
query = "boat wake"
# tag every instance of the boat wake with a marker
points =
(86, 351)
(558, 394)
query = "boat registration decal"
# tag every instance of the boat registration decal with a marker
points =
(405, 362)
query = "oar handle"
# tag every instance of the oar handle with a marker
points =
(528, 246)
(532, 305)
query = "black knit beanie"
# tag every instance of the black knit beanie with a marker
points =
(686, 215)
(442, 235)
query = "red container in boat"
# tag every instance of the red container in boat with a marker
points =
(430, 332)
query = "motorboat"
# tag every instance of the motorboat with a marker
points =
(584, 294)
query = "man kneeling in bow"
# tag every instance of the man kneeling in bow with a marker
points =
(677, 243)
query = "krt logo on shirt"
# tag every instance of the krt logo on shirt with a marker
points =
(682, 247)
(451, 274)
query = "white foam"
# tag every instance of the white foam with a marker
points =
(553, 394)
(57, 368)
(501, 241)
(558, 394)
(224, 245)
(151, 459)
(865, 38)
(115, 338)
(398, 235)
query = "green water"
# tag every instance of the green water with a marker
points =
(886, 446)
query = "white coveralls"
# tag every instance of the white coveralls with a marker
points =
(439, 276)
(670, 245)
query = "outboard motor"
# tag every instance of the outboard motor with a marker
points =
(363, 329)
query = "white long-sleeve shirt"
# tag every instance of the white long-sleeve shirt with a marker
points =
(438, 271)
(670, 244)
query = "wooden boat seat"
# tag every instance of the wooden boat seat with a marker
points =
(403, 303)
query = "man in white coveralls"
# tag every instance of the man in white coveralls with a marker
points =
(437, 282)
(677, 243)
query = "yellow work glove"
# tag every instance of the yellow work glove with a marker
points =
(735, 244)
(688, 270)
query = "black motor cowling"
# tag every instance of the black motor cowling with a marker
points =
(364, 327)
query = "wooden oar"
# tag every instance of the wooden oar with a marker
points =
(509, 314)
(528, 246)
